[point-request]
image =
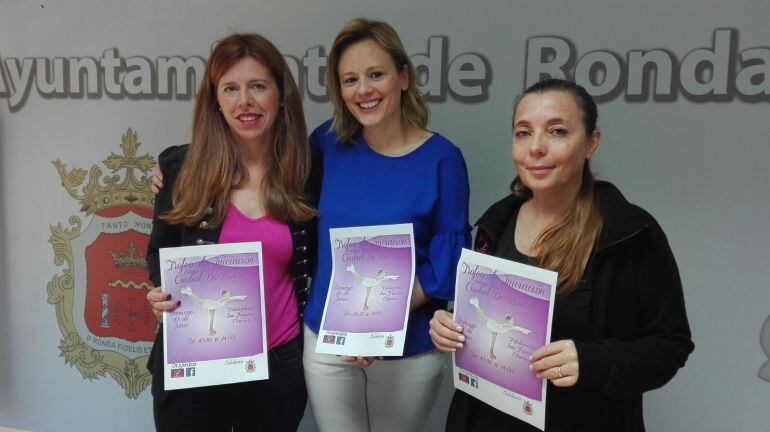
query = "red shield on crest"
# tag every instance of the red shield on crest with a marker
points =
(116, 280)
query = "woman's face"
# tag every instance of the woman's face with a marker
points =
(371, 85)
(550, 144)
(249, 100)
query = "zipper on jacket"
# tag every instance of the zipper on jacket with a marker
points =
(623, 240)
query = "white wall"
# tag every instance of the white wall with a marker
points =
(698, 163)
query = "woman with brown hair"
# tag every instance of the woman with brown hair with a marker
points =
(378, 164)
(241, 179)
(619, 321)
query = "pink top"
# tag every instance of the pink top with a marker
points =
(280, 303)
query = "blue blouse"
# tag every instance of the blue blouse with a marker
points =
(427, 187)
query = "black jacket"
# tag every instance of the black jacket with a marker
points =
(638, 331)
(166, 235)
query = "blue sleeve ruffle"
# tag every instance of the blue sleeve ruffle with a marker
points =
(437, 274)
(451, 229)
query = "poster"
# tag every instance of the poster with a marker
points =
(217, 335)
(506, 310)
(367, 305)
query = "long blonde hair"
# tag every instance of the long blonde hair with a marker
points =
(414, 110)
(213, 165)
(566, 247)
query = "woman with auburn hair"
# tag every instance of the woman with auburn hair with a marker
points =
(240, 180)
(378, 164)
(619, 321)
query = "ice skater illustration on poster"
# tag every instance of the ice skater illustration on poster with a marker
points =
(505, 309)
(367, 306)
(217, 335)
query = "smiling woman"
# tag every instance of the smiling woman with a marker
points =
(248, 98)
(371, 51)
(619, 322)
(240, 180)
(550, 146)
(371, 86)
(378, 164)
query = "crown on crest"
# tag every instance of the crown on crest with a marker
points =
(131, 257)
(113, 190)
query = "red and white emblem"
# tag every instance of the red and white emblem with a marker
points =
(528, 408)
(389, 341)
(106, 323)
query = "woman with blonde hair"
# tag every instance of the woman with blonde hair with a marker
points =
(619, 321)
(378, 164)
(241, 179)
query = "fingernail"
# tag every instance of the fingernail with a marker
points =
(462, 338)
(179, 302)
(458, 328)
(459, 345)
(168, 296)
(530, 367)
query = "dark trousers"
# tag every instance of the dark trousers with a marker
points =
(468, 414)
(274, 405)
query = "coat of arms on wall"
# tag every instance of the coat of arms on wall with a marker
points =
(107, 325)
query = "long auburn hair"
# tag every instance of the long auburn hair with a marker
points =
(414, 110)
(213, 166)
(566, 247)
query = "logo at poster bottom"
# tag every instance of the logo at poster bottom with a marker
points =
(107, 325)
(528, 408)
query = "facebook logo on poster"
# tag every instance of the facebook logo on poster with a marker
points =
(190, 372)
(474, 382)
(340, 340)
